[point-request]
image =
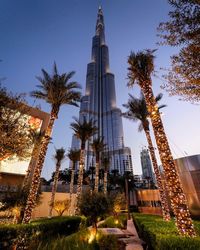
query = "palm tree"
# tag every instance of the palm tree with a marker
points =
(56, 90)
(37, 139)
(137, 111)
(92, 169)
(105, 165)
(114, 177)
(59, 157)
(97, 146)
(83, 130)
(74, 156)
(141, 68)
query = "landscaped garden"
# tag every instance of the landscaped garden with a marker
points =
(26, 236)
(65, 232)
(161, 235)
(74, 232)
(95, 205)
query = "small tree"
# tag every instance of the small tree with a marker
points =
(93, 206)
(15, 139)
(14, 200)
(183, 30)
(60, 206)
(119, 203)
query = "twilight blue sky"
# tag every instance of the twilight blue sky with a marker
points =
(35, 33)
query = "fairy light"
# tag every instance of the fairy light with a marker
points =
(80, 179)
(163, 196)
(96, 185)
(178, 200)
(35, 183)
(105, 182)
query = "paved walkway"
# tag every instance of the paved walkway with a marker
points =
(129, 236)
(132, 242)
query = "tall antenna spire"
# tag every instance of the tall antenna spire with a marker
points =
(100, 24)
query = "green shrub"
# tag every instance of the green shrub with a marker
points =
(25, 234)
(79, 241)
(74, 241)
(111, 222)
(108, 242)
(163, 235)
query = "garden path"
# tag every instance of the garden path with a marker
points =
(133, 242)
(129, 236)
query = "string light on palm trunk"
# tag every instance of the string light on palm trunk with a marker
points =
(177, 197)
(163, 196)
(80, 179)
(38, 169)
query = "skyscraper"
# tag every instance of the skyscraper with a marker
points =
(147, 171)
(99, 103)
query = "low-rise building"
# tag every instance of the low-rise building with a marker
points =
(13, 170)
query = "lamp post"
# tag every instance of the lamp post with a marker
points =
(127, 195)
(126, 173)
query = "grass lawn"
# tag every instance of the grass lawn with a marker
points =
(161, 235)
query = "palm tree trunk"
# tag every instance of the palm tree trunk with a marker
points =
(71, 189)
(54, 187)
(163, 196)
(30, 170)
(80, 176)
(96, 184)
(35, 183)
(92, 180)
(105, 182)
(178, 200)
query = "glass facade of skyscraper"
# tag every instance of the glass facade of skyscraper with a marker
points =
(99, 104)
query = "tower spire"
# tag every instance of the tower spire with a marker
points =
(100, 24)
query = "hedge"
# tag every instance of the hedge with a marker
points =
(79, 241)
(25, 234)
(159, 234)
(111, 222)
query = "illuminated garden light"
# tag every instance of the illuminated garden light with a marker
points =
(92, 236)
(116, 222)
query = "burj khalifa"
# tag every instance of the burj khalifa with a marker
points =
(99, 104)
